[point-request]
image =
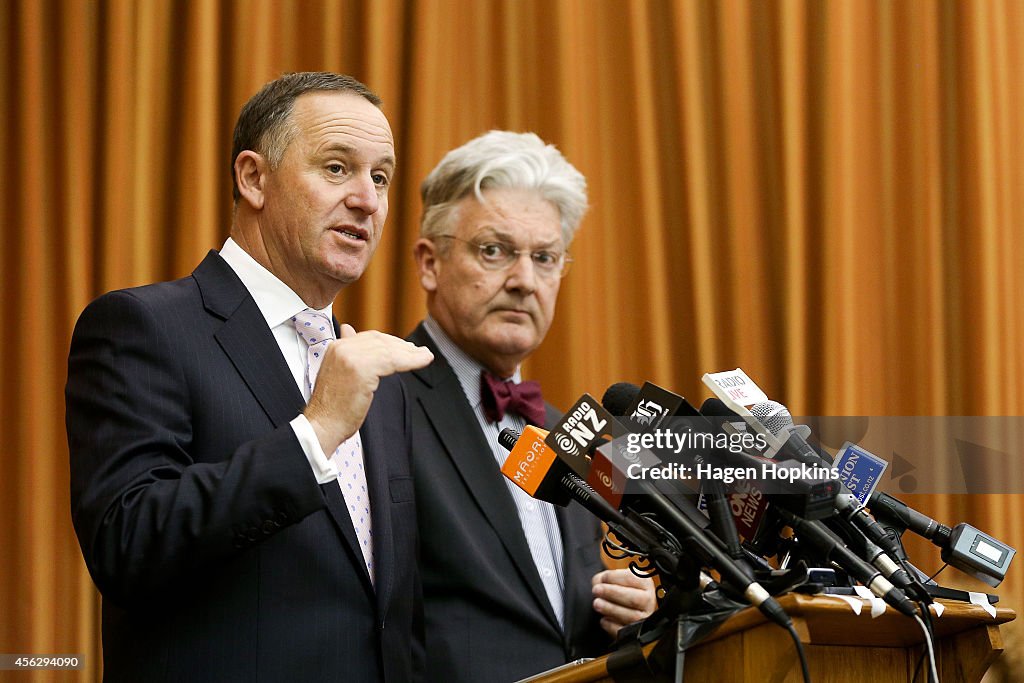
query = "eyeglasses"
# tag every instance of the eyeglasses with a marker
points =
(499, 256)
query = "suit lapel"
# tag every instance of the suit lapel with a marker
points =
(456, 426)
(247, 341)
(343, 521)
(253, 350)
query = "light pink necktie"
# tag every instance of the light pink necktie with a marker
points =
(317, 331)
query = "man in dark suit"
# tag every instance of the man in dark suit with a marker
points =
(240, 481)
(512, 586)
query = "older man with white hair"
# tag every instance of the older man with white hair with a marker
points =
(512, 585)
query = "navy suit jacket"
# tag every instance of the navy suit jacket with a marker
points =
(488, 617)
(218, 556)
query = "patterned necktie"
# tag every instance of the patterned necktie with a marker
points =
(500, 397)
(317, 331)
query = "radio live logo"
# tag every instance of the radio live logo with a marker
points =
(734, 386)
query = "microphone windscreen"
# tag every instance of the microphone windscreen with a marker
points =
(618, 397)
(772, 415)
(715, 407)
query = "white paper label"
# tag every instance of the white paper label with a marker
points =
(733, 386)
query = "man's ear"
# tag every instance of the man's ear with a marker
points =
(428, 263)
(251, 177)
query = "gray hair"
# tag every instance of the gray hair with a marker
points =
(502, 160)
(264, 125)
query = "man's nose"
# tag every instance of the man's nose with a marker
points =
(522, 274)
(363, 194)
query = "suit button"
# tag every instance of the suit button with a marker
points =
(254, 534)
(282, 517)
(239, 541)
(269, 526)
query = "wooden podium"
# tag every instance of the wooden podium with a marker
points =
(841, 647)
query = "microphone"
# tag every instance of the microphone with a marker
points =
(803, 491)
(644, 409)
(778, 420)
(855, 524)
(876, 555)
(580, 429)
(835, 550)
(965, 547)
(861, 470)
(675, 512)
(539, 471)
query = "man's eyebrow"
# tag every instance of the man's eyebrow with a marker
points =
(342, 148)
(494, 232)
(336, 147)
(499, 234)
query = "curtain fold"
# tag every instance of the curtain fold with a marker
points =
(827, 194)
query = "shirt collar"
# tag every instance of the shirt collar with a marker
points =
(466, 369)
(276, 300)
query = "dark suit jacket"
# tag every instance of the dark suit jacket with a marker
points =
(218, 556)
(487, 614)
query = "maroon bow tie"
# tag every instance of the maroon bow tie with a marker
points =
(500, 397)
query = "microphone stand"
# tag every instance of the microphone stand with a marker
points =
(692, 607)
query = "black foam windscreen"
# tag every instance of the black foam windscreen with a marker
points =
(618, 397)
(715, 407)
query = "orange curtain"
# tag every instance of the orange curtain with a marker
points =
(827, 194)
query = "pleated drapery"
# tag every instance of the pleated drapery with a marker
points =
(826, 193)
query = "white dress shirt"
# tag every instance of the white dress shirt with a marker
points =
(278, 304)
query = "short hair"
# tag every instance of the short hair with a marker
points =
(502, 160)
(264, 125)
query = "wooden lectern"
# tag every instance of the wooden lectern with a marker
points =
(841, 647)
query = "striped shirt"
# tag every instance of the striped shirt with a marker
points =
(540, 526)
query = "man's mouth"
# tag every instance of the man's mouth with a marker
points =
(353, 233)
(516, 311)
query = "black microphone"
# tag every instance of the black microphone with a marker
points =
(778, 420)
(876, 556)
(789, 484)
(856, 525)
(834, 549)
(965, 547)
(644, 409)
(678, 517)
(893, 509)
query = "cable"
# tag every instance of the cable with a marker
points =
(930, 648)
(617, 551)
(800, 652)
(932, 577)
(926, 615)
(920, 660)
(917, 588)
(667, 539)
